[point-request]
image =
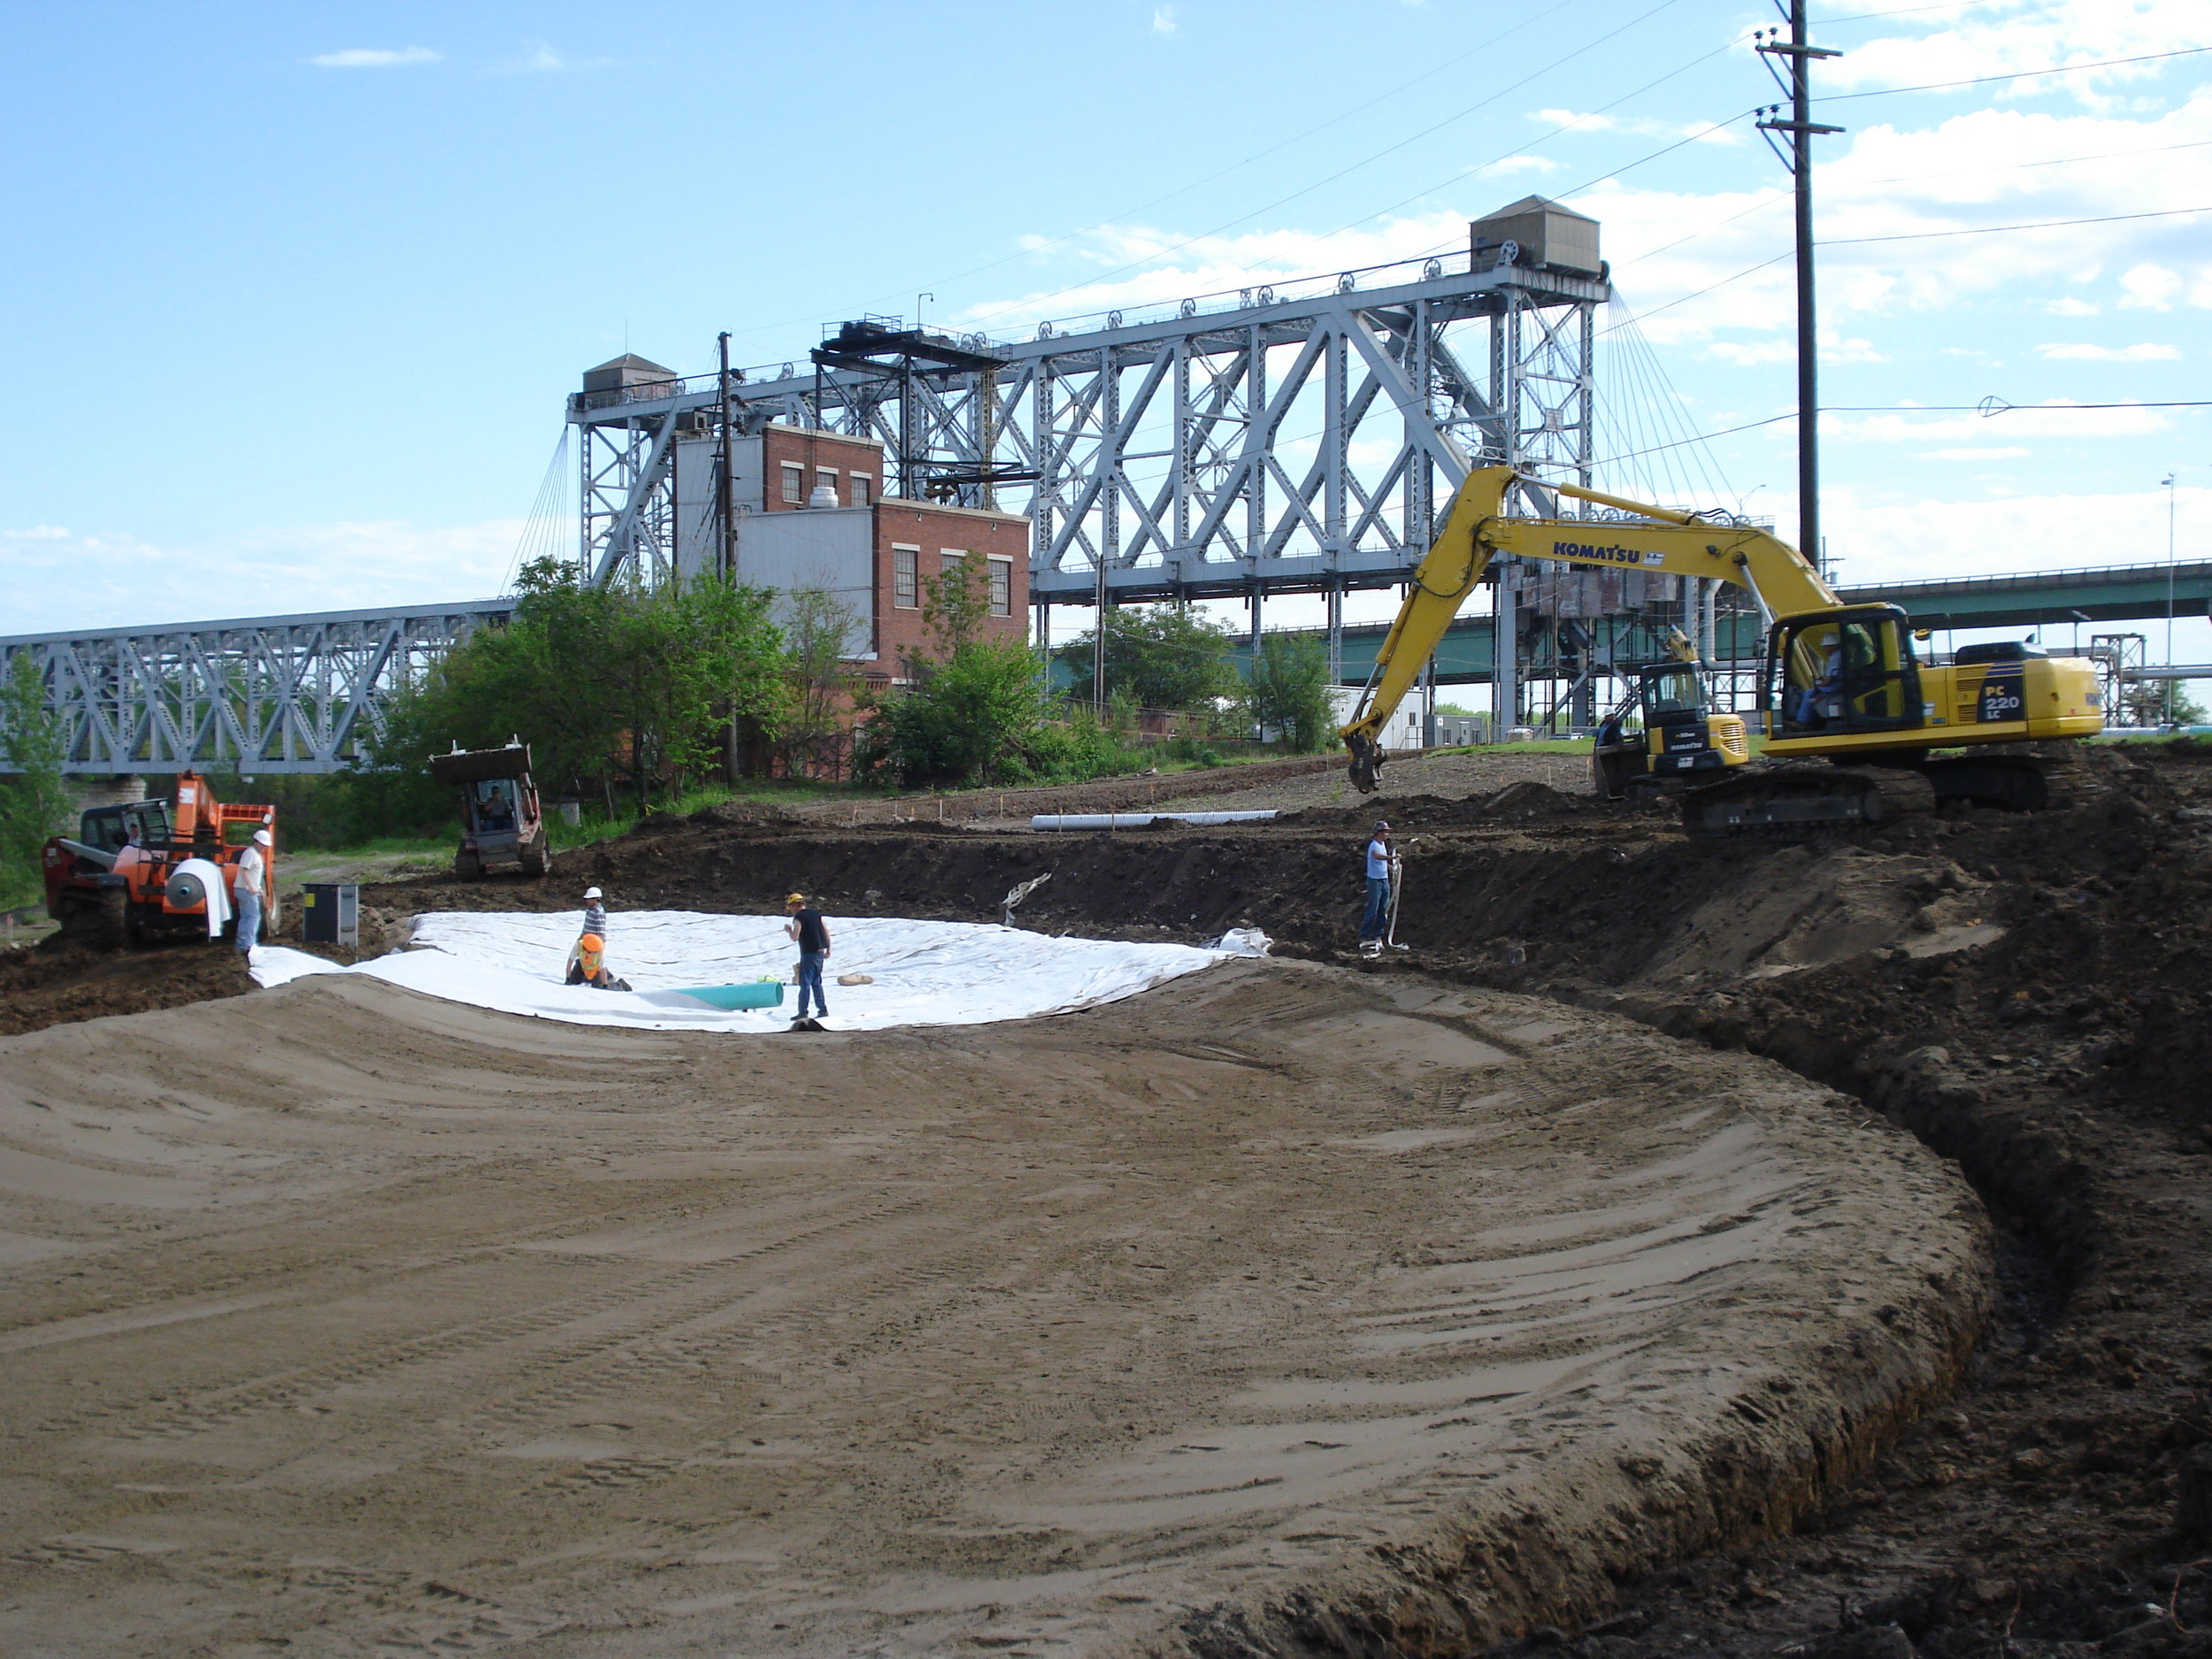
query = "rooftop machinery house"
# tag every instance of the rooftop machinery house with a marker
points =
(806, 511)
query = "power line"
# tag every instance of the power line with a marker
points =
(2017, 74)
(1270, 207)
(1296, 138)
(2004, 408)
(1988, 230)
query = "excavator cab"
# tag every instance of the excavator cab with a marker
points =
(1830, 672)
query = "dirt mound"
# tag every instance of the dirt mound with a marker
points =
(60, 981)
(413, 1328)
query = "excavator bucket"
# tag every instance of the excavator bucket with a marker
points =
(1367, 758)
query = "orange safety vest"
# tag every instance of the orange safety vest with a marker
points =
(589, 949)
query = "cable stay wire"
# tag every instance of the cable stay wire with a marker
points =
(545, 530)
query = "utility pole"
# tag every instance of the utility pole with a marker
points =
(1797, 55)
(724, 506)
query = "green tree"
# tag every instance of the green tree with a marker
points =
(817, 628)
(1289, 690)
(34, 801)
(1163, 657)
(620, 687)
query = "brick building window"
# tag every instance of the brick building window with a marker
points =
(795, 484)
(859, 497)
(826, 478)
(1001, 588)
(906, 591)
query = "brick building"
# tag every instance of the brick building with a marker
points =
(810, 512)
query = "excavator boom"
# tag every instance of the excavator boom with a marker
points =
(1475, 531)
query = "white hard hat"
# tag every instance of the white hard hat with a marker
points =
(262, 838)
(591, 893)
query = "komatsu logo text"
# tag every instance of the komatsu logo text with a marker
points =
(1590, 551)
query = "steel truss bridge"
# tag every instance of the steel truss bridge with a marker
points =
(260, 694)
(1292, 439)
(299, 694)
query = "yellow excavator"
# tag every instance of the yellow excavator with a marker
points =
(1840, 683)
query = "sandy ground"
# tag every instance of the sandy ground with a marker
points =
(341, 1322)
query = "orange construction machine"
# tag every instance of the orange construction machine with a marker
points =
(146, 867)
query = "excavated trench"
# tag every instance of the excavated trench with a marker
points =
(2026, 997)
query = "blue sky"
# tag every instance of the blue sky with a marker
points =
(296, 293)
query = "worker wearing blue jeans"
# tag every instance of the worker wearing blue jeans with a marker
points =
(811, 934)
(1376, 919)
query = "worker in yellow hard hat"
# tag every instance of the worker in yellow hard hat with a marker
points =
(810, 932)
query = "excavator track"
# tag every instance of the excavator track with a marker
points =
(1790, 802)
(2035, 777)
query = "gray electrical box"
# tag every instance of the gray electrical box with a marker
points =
(333, 914)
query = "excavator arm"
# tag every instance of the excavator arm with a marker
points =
(1475, 531)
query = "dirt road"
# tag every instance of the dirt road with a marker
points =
(346, 1322)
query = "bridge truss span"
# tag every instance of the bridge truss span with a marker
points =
(294, 694)
(1289, 442)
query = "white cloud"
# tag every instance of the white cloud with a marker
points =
(1642, 126)
(1164, 20)
(60, 579)
(2143, 353)
(2005, 37)
(2149, 287)
(1895, 539)
(376, 58)
(1512, 164)
(540, 58)
(1974, 173)
(2006, 454)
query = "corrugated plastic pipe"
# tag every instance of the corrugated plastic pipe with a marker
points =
(1137, 820)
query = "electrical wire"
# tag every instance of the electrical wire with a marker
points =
(2017, 74)
(1270, 207)
(1990, 230)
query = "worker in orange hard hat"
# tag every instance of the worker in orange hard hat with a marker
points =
(588, 965)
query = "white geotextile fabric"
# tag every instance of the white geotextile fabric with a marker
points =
(926, 973)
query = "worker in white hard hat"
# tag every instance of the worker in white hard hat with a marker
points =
(249, 886)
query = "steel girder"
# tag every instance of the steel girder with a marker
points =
(1284, 443)
(258, 695)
